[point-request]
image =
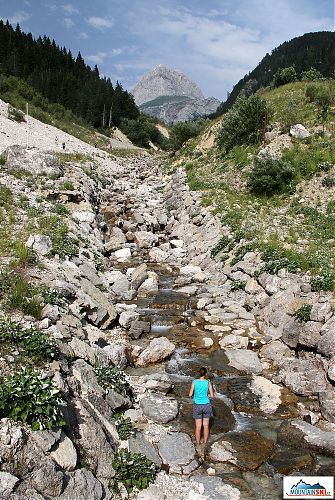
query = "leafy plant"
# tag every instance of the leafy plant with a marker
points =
(237, 285)
(303, 314)
(221, 245)
(60, 209)
(311, 75)
(32, 398)
(67, 186)
(279, 258)
(112, 378)
(52, 296)
(329, 181)
(270, 175)
(133, 470)
(285, 75)
(124, 426)
(324, 281)
(32, 342)
(2, 159)
(6, 197)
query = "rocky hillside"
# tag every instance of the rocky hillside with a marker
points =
(171, 96)
(111, 299)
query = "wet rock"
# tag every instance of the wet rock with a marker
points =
(222, 421)
(145, 239)
(137, 328)
(327, 404)
(40, 243)
(7, 484)
(215, 489)
(83, 484)
(138, 276)
(300, 434)
(138, 444)
(244, 360)
(177, 451)
(289, 460)
(159, 349)
(149, 286)
(65, 454)
(158, 382)
(160, 409)
(304, 376)
(247, 450)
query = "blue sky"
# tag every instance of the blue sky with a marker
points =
(214, 42)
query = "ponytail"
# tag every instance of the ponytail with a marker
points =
(202, 371)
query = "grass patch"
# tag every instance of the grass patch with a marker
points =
(57, 230)
(16, 293)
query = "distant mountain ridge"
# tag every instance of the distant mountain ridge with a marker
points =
(171, 96)
(309, 50)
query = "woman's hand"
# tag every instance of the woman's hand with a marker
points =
(191, 391)
(210, 390)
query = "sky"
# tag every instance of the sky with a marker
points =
(214, 42)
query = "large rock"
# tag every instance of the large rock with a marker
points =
(7, 484)
(40, 243)
(88, 271)
(177, 451)
(117, 354)
(247, 450)
(138, 276)
(304, 376)
(326, 344)
(244, 360)
(301, 434)
(215, 489)
(83, 485)
(34, 161)
(158, 408)
(299, 131)
(138, 444)
(157, 382)
(117, 240)
(65, 455)
(327, 405)
(137, 328)
(289, 460)
(159, 349)
(145, 239)
(46, 479)
(101, 312)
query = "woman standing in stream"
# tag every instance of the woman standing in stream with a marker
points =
(201, 390)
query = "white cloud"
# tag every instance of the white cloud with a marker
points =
(19, 17)
(69, 9)
(100, 23)
(68, 22)
(83, 35)
(100, 57)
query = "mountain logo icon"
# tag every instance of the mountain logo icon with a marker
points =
(308, 487)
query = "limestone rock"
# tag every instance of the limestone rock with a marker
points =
(326, 344)
(46, 479)
(145, 239)
(158, 408)
(138, 276)
(299, 131)
(137, 328)
(177, 451)
(117, 354)
(34, 161)
(215, 489)
(327, 405)
(159, 349)
(304, 376)
(40, 243)
(301, 434)
(138, 444)
(234, 341)
(7, 484)
(65, 454)
(46, 439)
(102, 312)
(117, 240)
(158, 382)
(244, 360)
(82, 485)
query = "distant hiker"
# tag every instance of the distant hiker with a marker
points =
(63, 145)
(95, 144)
(56, 140)
(201, 390)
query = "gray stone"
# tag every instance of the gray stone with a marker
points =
(85, 374)
(45, 439)
(270, 283)
(326, 344)
(327, 404)
(145, 239)
(244, 360)
(51, 311)
(116, 241)
(138, 276)
(275, 351)
(215, 489)
(158, 382)
(329, 326)
(159, 349)
(7, 484)
(127, 317)
(88, 271)
(83, 485)
(102, 312)
(137, 328)
(291, 333)
(320, 312)
(176, 450)
(84, 351)
(65, 454)
(299, 131)
(46, 479)
(301, 434)
(33, 161)
(138, 444)
(40, 243)
(310, 334)
(159, 408)
(117, 354)
(304, 376)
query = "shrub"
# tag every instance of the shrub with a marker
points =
(62, 244)
(52, 296)
(24, 256)
(133, 470)
(311, 75)
(279, 258)
(6, 197)
(181, 132)
(285, 75)
(244, 124)
(221, 245)
(124, 426)
(112, 378)
(2, 160)
(325, 166)
(142, 131)
(30, 397)
(237, 285)
(60, 209)
(329, 181)
(270, 175)
(67, 185)
(324, 281)
(15, 114)
(303, 314)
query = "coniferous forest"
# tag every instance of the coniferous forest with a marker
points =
(62, 78)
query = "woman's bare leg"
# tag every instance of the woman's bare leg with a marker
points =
(198, 425)
(206, 429)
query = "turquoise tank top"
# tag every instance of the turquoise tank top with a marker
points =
(201, 392)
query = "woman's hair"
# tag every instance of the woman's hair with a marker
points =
(203, 371)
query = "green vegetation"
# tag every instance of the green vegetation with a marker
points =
(30, 397)
(67, 186)
(271, 175)
(237, 285)
(16, 293)
(142, 130)
(123, 425)
(324, 281)
(113, 378)
(133, 470)
(244, 124)
(285, 75)
(57, 230)
(224, 242)
(15, 114)
(303, 314)
(311, 75)
(32, 343)
(181, 132)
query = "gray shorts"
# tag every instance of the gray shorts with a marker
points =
(202, 411)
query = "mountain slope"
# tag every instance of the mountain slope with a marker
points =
(171, 96)
(309, 50)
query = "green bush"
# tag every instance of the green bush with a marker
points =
(16, 293)
(221, 245)
(303, 314)
(60, 209)
(15, 114)
(328, 181)
(285, 75)
(237, 285)
(142, 131)
(244, 123)
(133, 470)
(279, 258)
(52, 296)
(67, 186)
(181, 132)
(6, 197)
(62, 244)
(31, 342)
(113, 378)
(270, 176)
(2, 159)
(123, 425)
(324, 281)
(311, 75)
(30, 397)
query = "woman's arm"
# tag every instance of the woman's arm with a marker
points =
(191, 391)
(210, 390)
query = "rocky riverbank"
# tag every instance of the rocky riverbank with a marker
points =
(141, 292)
